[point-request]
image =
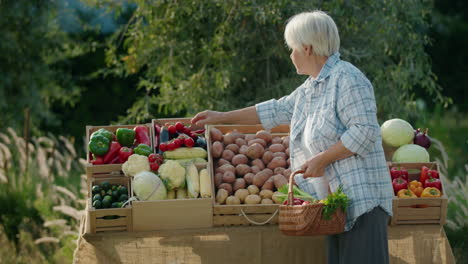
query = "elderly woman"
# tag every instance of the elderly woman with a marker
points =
(334, 136)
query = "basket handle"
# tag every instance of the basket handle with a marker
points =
(290, 190)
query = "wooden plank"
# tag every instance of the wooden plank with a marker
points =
(432, 202)
(111, 228)
(122, 221)
(429, 213)
(416, 222)
(250, 129)
(248, 209)
(228, 220)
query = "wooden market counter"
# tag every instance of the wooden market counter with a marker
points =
(251, 244)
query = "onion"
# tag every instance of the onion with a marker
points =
(422, 139)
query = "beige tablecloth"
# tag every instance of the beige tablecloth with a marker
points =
(244, 245)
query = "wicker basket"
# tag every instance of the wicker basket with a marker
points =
(307, 220)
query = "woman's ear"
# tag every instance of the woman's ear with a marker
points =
(308, 50)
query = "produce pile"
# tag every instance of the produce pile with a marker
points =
(105, 147)
(411, 145)
(249, 168)
(106, 195)
(428, 185)
(178, 171)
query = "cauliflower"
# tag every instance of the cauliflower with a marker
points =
(173, 174)
(135, 164)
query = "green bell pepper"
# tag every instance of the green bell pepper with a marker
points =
(99, 145)
(103, 132)
(143, 149)
(125, 136)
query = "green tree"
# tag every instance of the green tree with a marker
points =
(194, 55)
(33, 63)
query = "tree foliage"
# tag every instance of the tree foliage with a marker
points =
(195, 55)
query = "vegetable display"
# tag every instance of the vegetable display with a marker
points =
(106, 147)
(149, 187)
(246, 164)
(428, 180)
(106, 195)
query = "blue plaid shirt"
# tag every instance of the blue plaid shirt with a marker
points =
(338, 105)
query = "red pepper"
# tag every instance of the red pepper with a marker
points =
(397, 172)
(296, 201)
(427, 173)
(124, 154)
(98, 161)
(116, 160)
(399, 184)
(201, 131)
(154, 166)
(142, 135)
(113, 152)
(433, 182)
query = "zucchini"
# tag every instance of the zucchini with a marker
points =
(163, 136)
(186, 153)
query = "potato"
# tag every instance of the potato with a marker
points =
(239, 159)
(240, 142)
(259, 163)
(255, 151)
(279, 180)
(229, 177)
(242, 169)
(277, 162)
(216, 134)
(268, 171)
(230, 138)
(252, 199)
(287, 152)
(279, 170)
(221, 162)
(221, 196)
(286, 141)
(239, 184)
(233, 147)
(265, 135)
(267, 157)
(226, 167)
(267, 201)
(217, 149)
(249, 178)
(253, 189)
(218, 179)
(266, 194)
(260, 178)
(269, 184)
(228, 155)
(249, 137)
(287, 173)
(243, 149)
(277, 148)
(276, 140)
(280, 154)
(255, 169)
(227, 187)
(241, 194)
(276, 198)
(232, 200)
(288, 162)
(257, 140)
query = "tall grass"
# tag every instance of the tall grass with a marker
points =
(41, 198)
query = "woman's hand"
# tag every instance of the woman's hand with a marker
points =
(315, 166)
(207, 117)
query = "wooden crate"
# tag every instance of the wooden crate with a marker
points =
(172, 214)
(103, 170)
(244, 214)
(419, 210)
(156, 125)
(121, 217)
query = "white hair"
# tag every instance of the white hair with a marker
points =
(314, 28)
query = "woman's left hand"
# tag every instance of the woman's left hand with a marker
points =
(315, 166)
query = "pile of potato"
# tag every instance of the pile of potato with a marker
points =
(249, 167)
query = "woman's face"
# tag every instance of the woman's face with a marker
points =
(301, 61)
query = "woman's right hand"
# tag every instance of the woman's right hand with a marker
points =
(207, 117)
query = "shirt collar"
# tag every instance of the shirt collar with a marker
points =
(326, 69)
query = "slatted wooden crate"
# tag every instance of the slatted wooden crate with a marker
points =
(244, 214)
(111, 219)
(419, 210)
(156, 125)
(103, 170)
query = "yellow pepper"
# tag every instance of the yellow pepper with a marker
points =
(416, 187)
(406, 193)
(431, 192)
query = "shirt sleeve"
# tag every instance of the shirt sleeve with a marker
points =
(358, 112)
(276, 112)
